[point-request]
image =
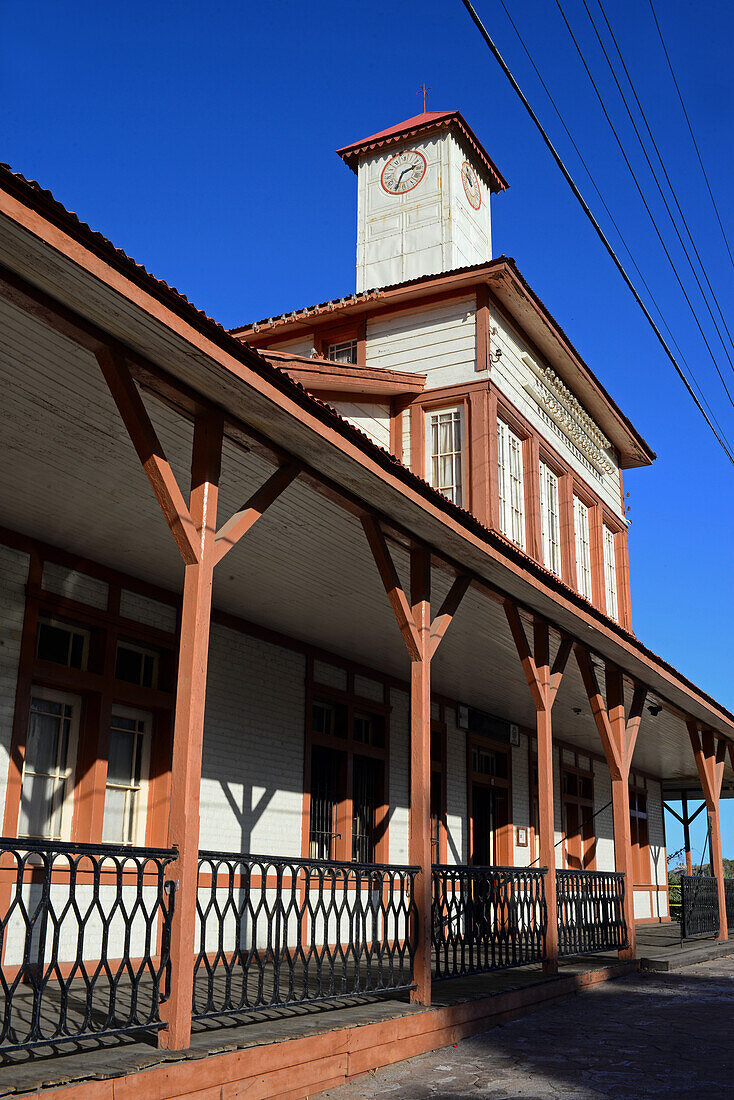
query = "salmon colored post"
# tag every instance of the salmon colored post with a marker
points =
(183, 821)
(624, 735)
(543, 679)
(420, 771)
(710, 756)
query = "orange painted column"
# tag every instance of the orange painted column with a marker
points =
(547, 835)
(183, 821)
(623, 856)
(420, 772)
(717, 866)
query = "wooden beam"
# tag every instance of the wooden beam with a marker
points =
(559, 666)
(448, 609)
(240, 523)
(150, 452)
(420, 771)
(599, 711)
(183, 822)
(634, 719)
(393, 587)
(527, 660)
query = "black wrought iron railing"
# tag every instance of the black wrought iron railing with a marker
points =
(487, 918)
(699, 906)
(277, 932)
(590, 912)
(84, 940)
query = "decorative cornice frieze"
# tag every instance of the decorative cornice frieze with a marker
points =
(554, 397)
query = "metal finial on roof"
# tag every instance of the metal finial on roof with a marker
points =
(423, 90)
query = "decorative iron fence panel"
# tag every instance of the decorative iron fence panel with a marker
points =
(274, 932)
(590, 911)
(487, 918)
(700, 906)
(729, 894)
(84, 940)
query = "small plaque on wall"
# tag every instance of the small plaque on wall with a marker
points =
(522, 836)
(462, 716)
(514, 734)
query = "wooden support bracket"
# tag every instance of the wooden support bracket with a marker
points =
(394, 589)
(150, 452)
(240, 523)
(447, 610)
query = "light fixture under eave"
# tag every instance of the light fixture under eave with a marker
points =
(654, 709)
(577, 710)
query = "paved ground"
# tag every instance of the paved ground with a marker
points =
(644, 1035)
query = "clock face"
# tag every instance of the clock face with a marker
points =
(403, 172)
(471, 185)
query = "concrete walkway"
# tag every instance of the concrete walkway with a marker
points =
(649, 1034)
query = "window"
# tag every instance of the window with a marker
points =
(136, 665)
(550, 531)
(324, 797)
(62, 643)
(347, 782)
(510, 484)
(583, 547)
(577, 795)
(48, 767)
(127, 771)
(610, 573)
(639, 835)
(365, 785)
(344, 352)
(444, 441)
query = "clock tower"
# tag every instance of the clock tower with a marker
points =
(423, 199)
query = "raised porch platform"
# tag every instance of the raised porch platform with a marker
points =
(299, 1052)
(661, 947)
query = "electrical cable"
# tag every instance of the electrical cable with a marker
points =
(641, 193)
(690, 130)
(609, 214)
(662, 194)
(668, 180)
(599, 231)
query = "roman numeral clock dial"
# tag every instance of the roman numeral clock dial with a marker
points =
(471, 185)
(403, 172)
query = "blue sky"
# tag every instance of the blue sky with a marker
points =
(201, 138)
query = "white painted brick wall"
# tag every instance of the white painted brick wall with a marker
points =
(74, 585)
(143, 609)
(658, 852)
(520, 798)
(14, 573)
(399, 776)
(324, 673)
(456, 801)
(604, 821)
(252, 767)
(369, 689)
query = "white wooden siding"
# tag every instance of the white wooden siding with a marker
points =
(439, 341)
(372, 419)
(302, 345)
(74, 585)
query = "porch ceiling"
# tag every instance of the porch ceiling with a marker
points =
(73, 480)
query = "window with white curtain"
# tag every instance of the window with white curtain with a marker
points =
(127, 774)
(583, 547)
(510, 484)
(610, 573)
(444, 446)
(550, 530)
(48, 765)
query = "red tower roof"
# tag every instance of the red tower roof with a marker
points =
(425, 123)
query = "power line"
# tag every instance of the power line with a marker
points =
(641, 192)
(690, 130)
(599, 231)
(662, 194)
(609, 214)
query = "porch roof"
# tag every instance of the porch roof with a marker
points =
(95, 294)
